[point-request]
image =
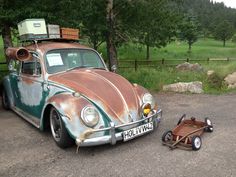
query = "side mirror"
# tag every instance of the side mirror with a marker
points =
(114, 68)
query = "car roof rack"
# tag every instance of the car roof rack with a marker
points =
(36, 41)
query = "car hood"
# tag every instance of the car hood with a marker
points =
(110, 92)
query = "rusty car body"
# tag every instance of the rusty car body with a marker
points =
(66, 86)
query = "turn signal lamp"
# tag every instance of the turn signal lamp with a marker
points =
(146, 109)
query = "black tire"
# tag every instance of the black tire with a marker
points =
(209, 124)
(58, 130)
(181, 119)
(167, 136)
(196, 143)
(5, 100)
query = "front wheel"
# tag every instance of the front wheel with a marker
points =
(59, 132)
(5, 100)
(196, 143)
(167, 136)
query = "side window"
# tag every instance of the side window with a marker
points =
(28, 67)
(31, 67)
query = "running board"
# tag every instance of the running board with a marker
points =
(31, 119)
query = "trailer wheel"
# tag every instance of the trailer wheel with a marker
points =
(167, 136)
(210, 126)
(181, 119)
(196, 143)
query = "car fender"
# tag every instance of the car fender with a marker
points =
(70, 107)
(140, 92)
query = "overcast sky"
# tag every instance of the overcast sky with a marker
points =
(228, 3)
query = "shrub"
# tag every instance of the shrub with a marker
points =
(215, 81)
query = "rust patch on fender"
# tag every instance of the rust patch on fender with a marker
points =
(72, 106)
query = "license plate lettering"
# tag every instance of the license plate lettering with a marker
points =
(137, 131)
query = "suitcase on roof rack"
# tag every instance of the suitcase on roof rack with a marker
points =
(32, 29)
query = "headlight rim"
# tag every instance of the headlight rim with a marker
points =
(85, 121)
(152, 103)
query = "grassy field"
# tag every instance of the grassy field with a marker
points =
(154, 79)
(202, 49)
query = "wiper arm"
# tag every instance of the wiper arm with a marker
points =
(98, 68)
(85, 66)
(77, 67)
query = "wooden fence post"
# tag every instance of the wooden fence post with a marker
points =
(163, 61)
(135, 65)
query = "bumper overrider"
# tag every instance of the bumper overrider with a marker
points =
(151, 122)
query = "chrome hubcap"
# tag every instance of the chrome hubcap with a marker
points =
(55, 124)
(197, 143)
(208, 122)
(168, 137)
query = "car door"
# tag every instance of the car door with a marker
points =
(29, 93)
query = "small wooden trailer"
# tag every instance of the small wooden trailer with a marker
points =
(187, 134)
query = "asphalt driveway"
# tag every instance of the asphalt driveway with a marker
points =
(25, 151)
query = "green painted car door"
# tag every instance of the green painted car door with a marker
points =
(29, 88)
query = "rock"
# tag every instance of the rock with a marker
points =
(230, 80)
(181, 87)
(232, 86)
(189, 67)
(210, 72)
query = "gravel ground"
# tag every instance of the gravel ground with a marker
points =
(25, 151)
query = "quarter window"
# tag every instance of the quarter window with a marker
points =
(31, 67)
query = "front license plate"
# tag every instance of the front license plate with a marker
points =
(137, 131)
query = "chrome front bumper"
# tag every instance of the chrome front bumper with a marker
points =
(113, 137)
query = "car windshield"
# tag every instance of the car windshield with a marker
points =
(68, 59)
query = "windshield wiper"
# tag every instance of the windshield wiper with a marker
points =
(77, 67)
(84, 66)
(98, 68)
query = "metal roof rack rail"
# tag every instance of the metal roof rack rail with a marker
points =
(50, 40)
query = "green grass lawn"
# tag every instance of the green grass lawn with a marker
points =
(154, 79)
(202, 49)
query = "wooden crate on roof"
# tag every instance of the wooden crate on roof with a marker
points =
(69, 33)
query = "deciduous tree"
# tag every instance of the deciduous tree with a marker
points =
(189, 31)
(224, 31)
(154, 24)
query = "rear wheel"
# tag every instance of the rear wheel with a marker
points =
(5, 100)
(209, 124)
(196, 143)
(59, 132)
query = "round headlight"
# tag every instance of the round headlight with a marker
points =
(148, 98)
(90, 116)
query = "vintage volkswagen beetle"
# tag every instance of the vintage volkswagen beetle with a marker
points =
(67, 87)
